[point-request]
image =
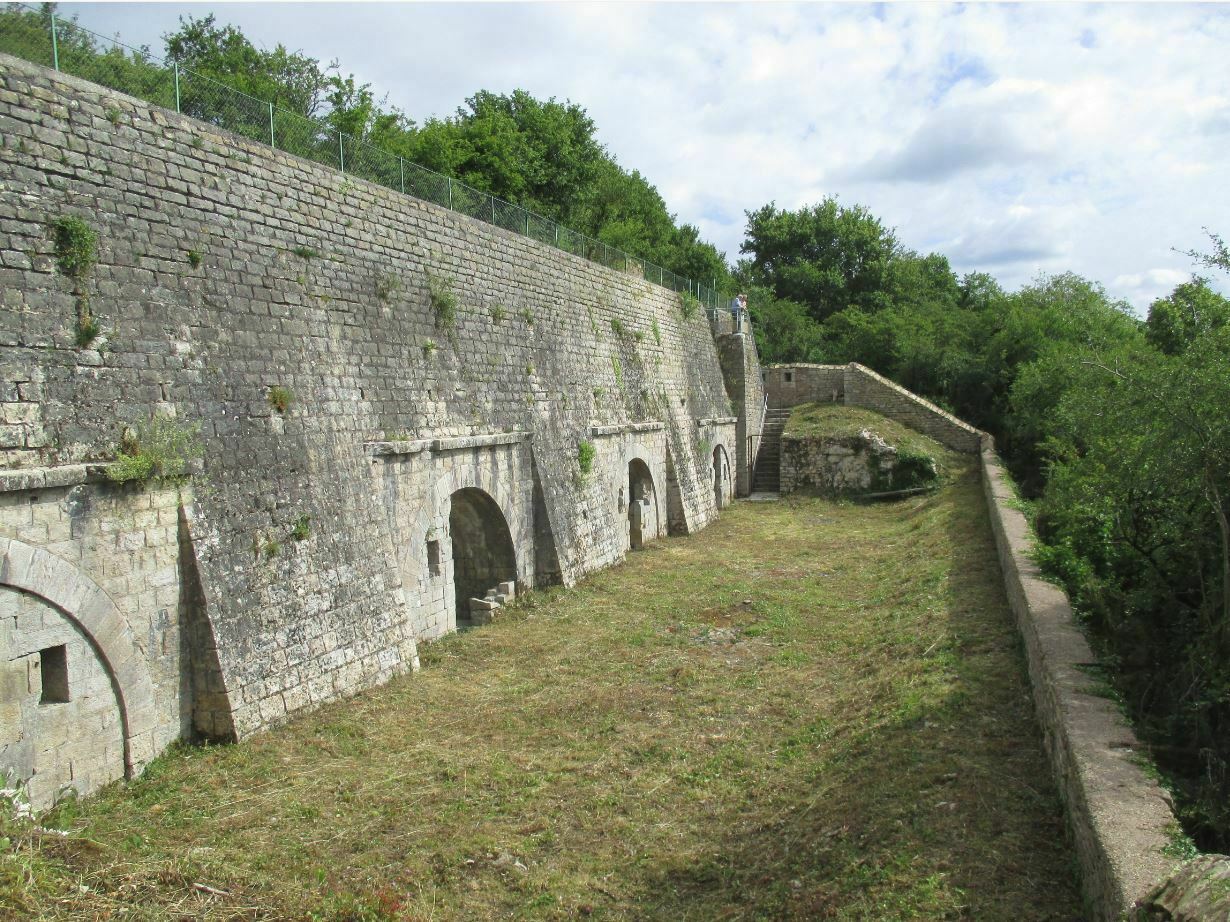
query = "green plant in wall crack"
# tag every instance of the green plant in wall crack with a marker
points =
(280, 398)
(76, 247)
(585, 457)
(443, 300)
(429, 348)
(158, 450)
(388, 286)
(194, 259)
(302, 529)
(498, 314)
(688, 305)
(618, 368)
(304, 252)
(76, 252)
(617, 326)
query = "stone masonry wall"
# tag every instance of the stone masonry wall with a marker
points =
(229, 275)
(791, 385)
(859, 386)
(741, 366)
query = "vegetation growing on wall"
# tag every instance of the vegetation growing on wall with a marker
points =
(585, 457)
(443, 300)
(76, 252)
(158, 450)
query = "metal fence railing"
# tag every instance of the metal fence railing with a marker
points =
(44, 38)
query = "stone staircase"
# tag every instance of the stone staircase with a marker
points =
(767, 478)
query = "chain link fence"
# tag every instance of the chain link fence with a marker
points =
(65, 46)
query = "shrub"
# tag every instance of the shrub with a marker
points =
(585, 457)
(306, 253)
(617, 326)
(76, 247)
(158, 450)
(688, 305)
(194, 258)
(280, 398)
(443, 300)
(302, 528)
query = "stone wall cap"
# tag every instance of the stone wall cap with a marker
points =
(650, 426)
(479, 441)
(717, 421)
(41, 478)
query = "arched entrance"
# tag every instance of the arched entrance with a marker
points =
(483, 554)
(721, 477)
(642, 505)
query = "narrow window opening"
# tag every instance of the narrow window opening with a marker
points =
(53, 668)
(433, 557)
(789, 377)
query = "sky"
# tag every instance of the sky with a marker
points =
(1014, 139)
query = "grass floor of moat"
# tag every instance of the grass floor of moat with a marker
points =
(809, 710)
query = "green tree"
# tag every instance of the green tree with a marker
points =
(1184, 315)
(827, 257)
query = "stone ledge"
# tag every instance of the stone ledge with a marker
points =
(718, 421)
(650, 426)
(1118, 816)
(399, 447)
(43, 478)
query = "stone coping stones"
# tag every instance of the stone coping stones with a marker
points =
(717, 421)
(456, 443)
(42, 478)
(650, 426)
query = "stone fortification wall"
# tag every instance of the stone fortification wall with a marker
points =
(741, 366)
(859, 386)
(791, 385)
(358, 363)
(1119, 816)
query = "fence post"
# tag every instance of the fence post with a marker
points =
(177, 108)
(450, 191)
(493, 209)
(272, 142)
(527, 224)
(341, 152)
(401, 169)
(55, 44)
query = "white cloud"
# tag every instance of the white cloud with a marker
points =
(1013, 138)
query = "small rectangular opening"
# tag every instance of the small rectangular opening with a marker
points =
(433, 557)
(789, 377)
(53, 668)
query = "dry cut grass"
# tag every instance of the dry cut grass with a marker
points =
(809, 710)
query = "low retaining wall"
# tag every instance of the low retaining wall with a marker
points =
(1119, 817)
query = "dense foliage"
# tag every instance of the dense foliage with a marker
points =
(1116, 429)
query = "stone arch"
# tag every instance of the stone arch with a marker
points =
(84, 603)
(643, 505)
(721, 476)
(482, 548)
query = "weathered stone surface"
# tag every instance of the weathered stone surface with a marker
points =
(1199, 891)
(317, 549)
(838, 465)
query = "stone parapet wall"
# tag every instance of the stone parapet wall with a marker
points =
(1119, 817)
(865, 388)
(791, 385)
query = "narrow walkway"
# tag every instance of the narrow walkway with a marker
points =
(806, 711)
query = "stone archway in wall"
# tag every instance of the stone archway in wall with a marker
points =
(721, 477)
(78, 705)
(482, 548)
(643, 524)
